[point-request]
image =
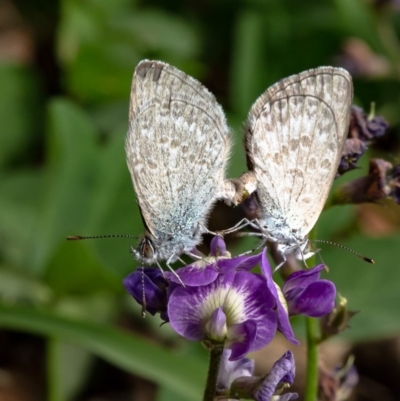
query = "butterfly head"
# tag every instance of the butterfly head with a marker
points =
(299, 247)
(146, 252)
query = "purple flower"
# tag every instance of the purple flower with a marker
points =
(206, 270)
(232, 370)
(235, 379)
(281, 307)
(232, 306)
(281, 375)
(149, 288)
(306, 294)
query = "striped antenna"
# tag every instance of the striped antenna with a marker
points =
(80, 237)
(369, 260)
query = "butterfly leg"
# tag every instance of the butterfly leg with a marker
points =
(205, 230)
(241, 224)
(260, 244)
(280, 264)
(168, 263)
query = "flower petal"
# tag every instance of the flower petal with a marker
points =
(241, 295)
(216, 327)
(195, 274)
(217, 246)
(283, 371)
(244, 335)
(148, 285)
(302, 279)
(283, 318)
(316, 300)
(258, 306)
(231, 370)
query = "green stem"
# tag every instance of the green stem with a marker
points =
(53, 377)
(312, 335)
(213, 368)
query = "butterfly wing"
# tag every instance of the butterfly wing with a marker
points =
(177, 147)
(295, 135)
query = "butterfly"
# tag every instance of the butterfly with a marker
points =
(294, 137)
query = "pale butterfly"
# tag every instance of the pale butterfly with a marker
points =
(295, 134)
(177, 150)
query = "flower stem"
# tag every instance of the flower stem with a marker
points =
(53, 370)
(312, 335)
(215, 360)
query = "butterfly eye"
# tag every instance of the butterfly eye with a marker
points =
(146, 248)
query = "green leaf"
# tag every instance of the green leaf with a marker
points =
(21, 195)
(357, 18)
(20, 111)
(159, 31)
(246, 65)
(71, 177)
(180, 374)
(67, 367)
(75, 269)
(372, 289)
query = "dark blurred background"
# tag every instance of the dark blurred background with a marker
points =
(68, 331)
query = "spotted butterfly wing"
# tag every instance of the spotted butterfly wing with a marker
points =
(295, 134)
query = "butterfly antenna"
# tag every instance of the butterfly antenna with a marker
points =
(143, 296)
(80, 237)
(369, 260)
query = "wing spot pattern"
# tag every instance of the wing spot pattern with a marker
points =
(305, 141)
(294, 144)
(278, 158)
(312, 163)
(326, 163)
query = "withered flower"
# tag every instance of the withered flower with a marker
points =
(364, 127)
(382, 181)
(354, 148)
(337, 320)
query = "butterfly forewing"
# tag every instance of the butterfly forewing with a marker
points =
(177, 148)
(295, 135)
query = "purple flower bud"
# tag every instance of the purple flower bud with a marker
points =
(282, 373)
(149, 288)
(306, 294)
(218, 247)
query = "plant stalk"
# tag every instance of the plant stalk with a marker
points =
(213, 368)
(312, 336)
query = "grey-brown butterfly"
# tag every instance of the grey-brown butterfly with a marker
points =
(177, 149)
(295, 134)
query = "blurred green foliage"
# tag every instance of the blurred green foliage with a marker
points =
(63, 112)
